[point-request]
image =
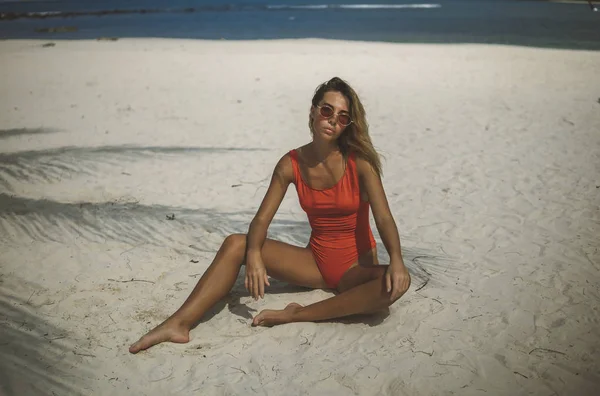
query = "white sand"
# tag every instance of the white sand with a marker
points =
(492, 171)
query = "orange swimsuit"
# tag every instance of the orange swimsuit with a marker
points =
(339, 220)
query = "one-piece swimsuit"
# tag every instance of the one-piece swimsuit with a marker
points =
(339, 220)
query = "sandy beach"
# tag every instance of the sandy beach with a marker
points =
(124, 164)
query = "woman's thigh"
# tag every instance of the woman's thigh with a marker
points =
(291, 264)
(364, 270)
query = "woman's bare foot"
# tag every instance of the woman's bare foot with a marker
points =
(272, 317)
(166, 331)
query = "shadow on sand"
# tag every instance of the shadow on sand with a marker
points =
(52, 165)
(36, 357)
(7, 133)
(234, 305)
(425, 269)
(136, 224)
(130, 223)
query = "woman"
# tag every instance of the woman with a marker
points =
(338, 178)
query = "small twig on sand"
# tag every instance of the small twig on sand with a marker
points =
(416, 262)
(194, 275)
(57, 338)
(162, 379)
(546, 350)
(524, 376)
(239, 369)
(84, 354)
(449, 364)
(437, 328)
(131, 248)
(423, 285)
(30, 297)
(131, 280)
(426, 353)
(329, 376)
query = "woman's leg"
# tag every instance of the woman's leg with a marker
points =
(284, 262)
(362, 290)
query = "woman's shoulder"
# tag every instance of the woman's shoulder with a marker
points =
(293, 154)
(285, 167)
(362, 164)
(285, 160)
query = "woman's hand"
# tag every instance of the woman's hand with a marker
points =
(256, 276)
(397, 279)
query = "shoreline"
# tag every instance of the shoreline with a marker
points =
(457, 22)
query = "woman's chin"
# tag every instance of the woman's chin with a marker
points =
(328, 134)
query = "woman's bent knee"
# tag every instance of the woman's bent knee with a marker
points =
(235, 245)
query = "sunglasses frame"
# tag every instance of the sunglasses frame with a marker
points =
(333, 114)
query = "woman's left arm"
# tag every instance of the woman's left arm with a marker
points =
(397, 276)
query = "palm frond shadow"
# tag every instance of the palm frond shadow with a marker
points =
(36, 357)
(51, 165)
(130, 223)
(7, 133)
(426, 266)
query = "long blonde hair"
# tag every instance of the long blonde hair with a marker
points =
(355, 137)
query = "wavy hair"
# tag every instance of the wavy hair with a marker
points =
(355, 137)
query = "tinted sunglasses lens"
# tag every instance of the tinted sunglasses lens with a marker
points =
(344, 119)
(326, 111)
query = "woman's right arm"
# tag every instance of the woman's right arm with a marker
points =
(256, 274)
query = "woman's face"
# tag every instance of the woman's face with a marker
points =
(329, 128)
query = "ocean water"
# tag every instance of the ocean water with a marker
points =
(517, 22)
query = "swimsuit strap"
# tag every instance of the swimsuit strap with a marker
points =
(351, 161)
(295, 166)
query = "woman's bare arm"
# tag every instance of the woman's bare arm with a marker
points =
(381, 210)
(256, 273)
(397, 278)
(282, 176)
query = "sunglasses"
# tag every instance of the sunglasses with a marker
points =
(327, 111)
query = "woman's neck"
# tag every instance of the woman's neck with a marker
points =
(323, 150)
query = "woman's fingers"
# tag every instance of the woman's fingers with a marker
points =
(399, 283)
(255, 287)
(255, 284)
(264, 282)
(392, 285)
(388, 282)
(261, 287)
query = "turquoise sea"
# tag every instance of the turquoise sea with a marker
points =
(516, 22)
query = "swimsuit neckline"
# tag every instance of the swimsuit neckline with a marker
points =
(324, 189)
